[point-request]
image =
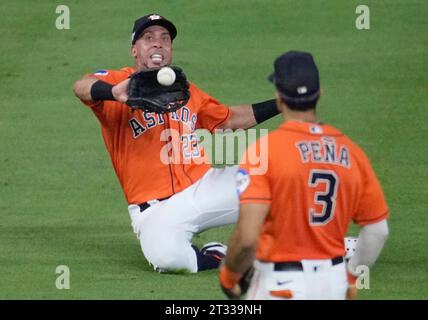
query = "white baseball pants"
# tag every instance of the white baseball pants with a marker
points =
(166, 228)
(319, 280)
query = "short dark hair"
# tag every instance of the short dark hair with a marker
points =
(300, 105)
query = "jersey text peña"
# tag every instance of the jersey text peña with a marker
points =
(324, 151)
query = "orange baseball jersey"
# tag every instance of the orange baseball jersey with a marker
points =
(316, 182)
(156, 155)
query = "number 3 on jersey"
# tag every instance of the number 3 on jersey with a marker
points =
(326, 198)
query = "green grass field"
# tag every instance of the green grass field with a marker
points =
(60, 202)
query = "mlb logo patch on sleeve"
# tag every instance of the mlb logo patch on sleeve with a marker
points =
(101, 73)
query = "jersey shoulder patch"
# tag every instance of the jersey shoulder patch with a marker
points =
(102, 72)
(242, 180)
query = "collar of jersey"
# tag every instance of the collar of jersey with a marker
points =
(301, 126)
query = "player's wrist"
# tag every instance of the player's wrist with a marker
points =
(101, 91)
(228, 278)
(264, 110)
(351, 274)
(352, 279)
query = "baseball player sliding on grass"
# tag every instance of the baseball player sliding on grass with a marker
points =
(169, 201)
(293, 219)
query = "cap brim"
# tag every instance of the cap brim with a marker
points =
(271, 78)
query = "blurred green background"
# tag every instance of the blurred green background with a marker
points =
(60, 202)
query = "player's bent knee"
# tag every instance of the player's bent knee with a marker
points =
(173, 263)
(173, 259)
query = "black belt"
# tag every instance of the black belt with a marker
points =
(298, 266)
(145, 205)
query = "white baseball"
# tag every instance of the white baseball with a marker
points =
(166, 76)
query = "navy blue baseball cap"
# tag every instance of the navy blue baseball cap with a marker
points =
(151, 20)
(296, 77)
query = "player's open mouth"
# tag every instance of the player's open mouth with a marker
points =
(156, 58)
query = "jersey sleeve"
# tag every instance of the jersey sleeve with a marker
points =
(252, 186)
(372, 205)
(211, 113)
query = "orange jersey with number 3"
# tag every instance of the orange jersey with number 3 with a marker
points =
(156, 155)
(317, 181)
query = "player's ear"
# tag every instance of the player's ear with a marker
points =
(133, 52)
(278, 101)
(321, 92)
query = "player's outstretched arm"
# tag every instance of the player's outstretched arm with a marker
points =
(247, 116)
(92, 89)
(82, 87)
(242, 117)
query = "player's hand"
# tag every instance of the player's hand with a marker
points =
(120, 91)
(229, 282)
(233, 293)
(352, 292)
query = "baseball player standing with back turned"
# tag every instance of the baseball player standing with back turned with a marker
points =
(293, 219)
(168, 202)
